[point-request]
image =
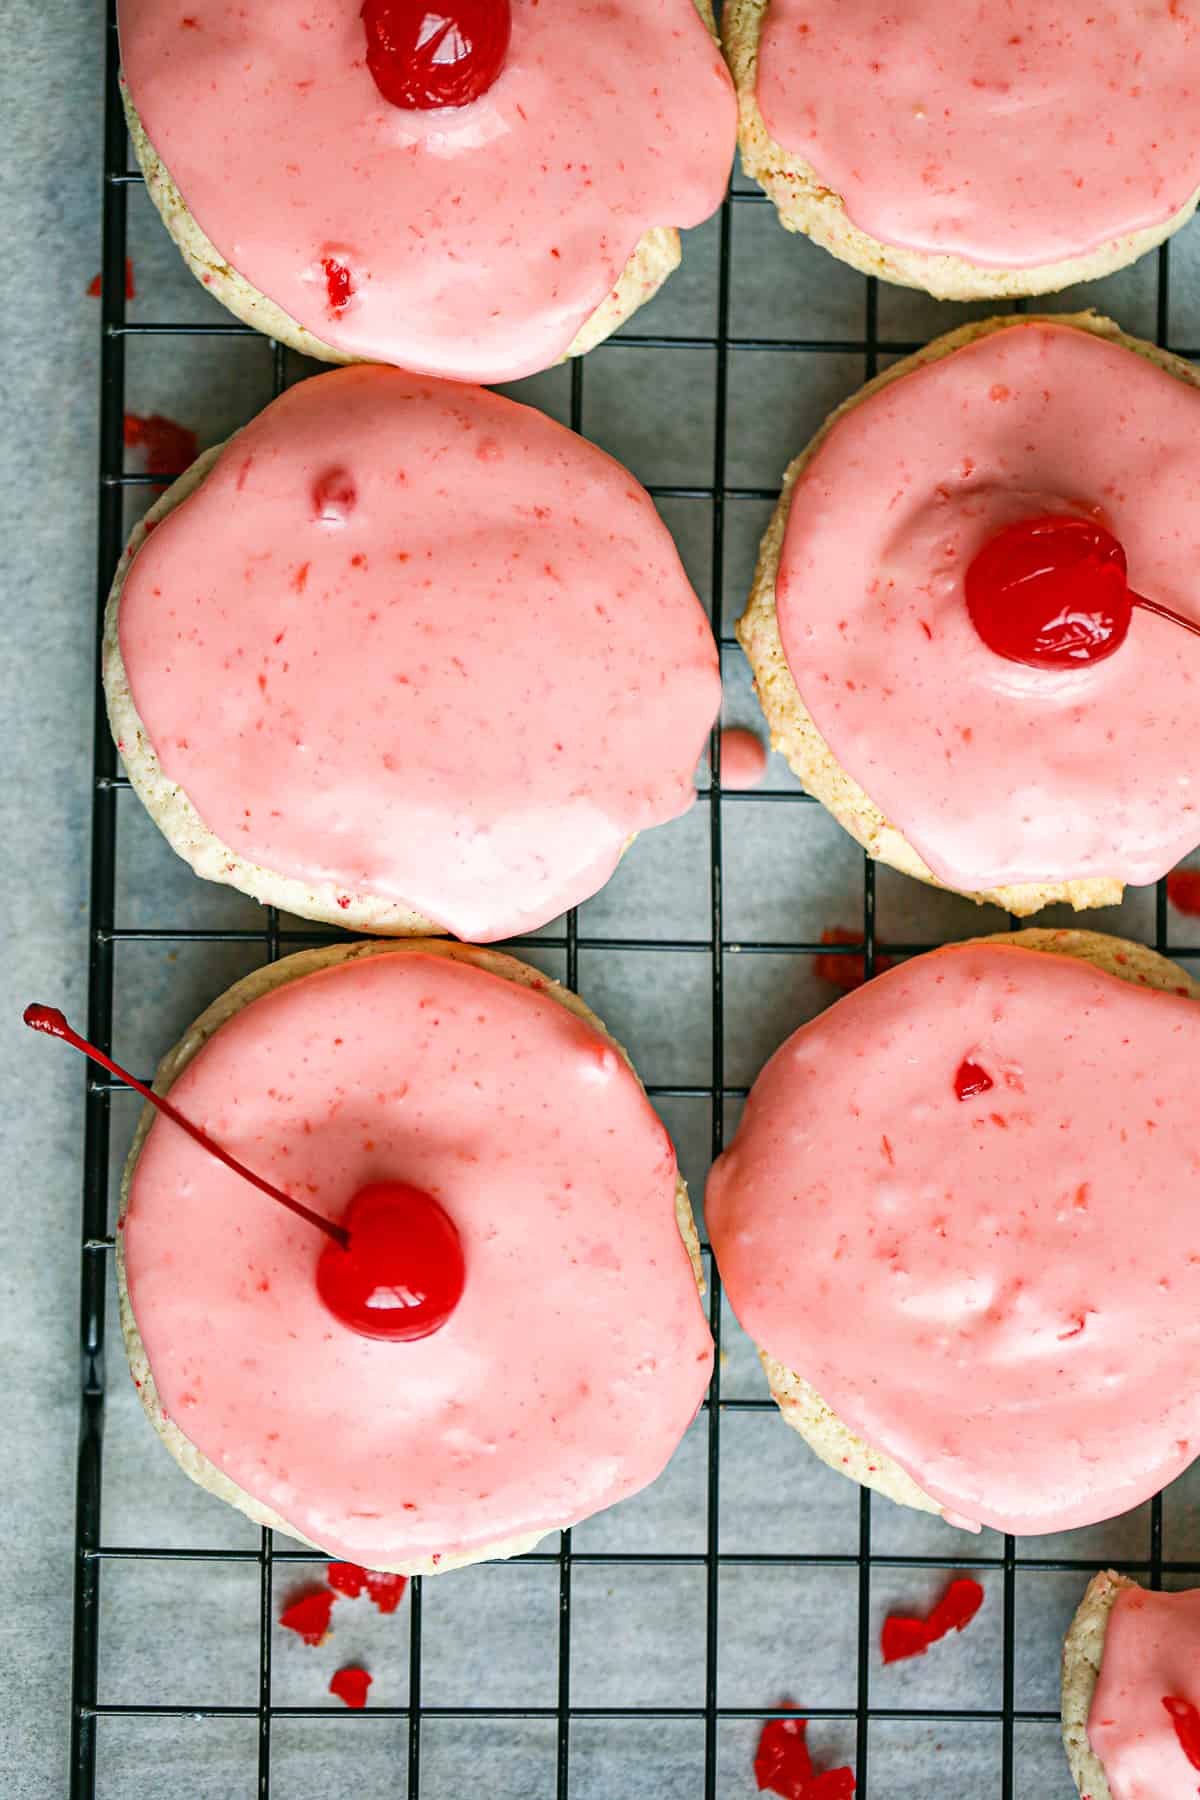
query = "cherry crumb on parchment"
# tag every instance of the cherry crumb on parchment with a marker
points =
(309, 1614)
(94, 285)
(385, 1590)
(846, 972)
(782, 1765)
(903, 1637)
(351, 1686)
(168, 449)
(1183, 891)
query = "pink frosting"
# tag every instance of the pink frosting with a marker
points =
(579, 1351)
(1002, 1293)
(994, 772)
(1013, 135)
(1152, 1650)
(478, 238)
(464, 689)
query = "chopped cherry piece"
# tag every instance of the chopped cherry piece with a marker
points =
(1186, 1720)
(903, 1637)
(846, 972)
(1183, 891)
(402, 1274)
(95, 284)
(970, 1079)
(430, 53)
(351, 1686)
(1052, 592)
(783, 1765)
(346, 1578)
(337, 283)
(308, 1616)
(387, 1591)
(782, 1762)
(169, 448)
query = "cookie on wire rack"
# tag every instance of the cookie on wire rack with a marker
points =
(1017, 785)
(578, 1352)
(404, 656)
(476, 236)
(937, 147)
(957, 1222)
(1130, 1701)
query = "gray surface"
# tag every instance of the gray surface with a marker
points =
(50, 102)
(489, 1633)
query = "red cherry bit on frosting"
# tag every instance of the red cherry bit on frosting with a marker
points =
(338, 284)
(432, 53)
(970, 1079)
(903, 1637)
(1052, 592)
(394, 1269)
(782, 1765)
(334, 497)
(351, 1686)
(1186, 1720)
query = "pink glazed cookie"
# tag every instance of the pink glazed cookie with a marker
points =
(979, 149)
(578, 1354)
(1017, 785)
(1130, 1677)
(480, 242)
(405, 656)
(958, 1220)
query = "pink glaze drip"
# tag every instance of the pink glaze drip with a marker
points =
(1014, 135)
(465, 689)
(994, 772)
(1152, 1649)
(743, 759)
(478, 239)
(1002, 1293)
(578, 1353)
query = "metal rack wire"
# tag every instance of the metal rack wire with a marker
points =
(91, 1551)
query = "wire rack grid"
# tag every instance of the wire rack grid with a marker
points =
(92, 1552)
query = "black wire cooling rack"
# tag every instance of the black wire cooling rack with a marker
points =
(91, 1551)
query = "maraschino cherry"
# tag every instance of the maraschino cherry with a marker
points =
(393, 1270)
(430, 53)
(1052, 592)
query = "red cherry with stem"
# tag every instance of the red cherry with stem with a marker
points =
(1052, 592)
(403, 1274)
(395, 1268)
(429, 53)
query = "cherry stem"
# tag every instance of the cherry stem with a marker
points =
(1164, 612)
(49, 1020)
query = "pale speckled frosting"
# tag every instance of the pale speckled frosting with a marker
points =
(579, 1352)
(995, 773)
(1151, 1649)
(478, 238)
(1007, 132)
(1001, 1293)
(467, 694)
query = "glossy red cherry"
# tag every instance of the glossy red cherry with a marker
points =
(393, 1269)
(403, 1273)
(970, 1079)
(1052, 592)
(429, 53)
